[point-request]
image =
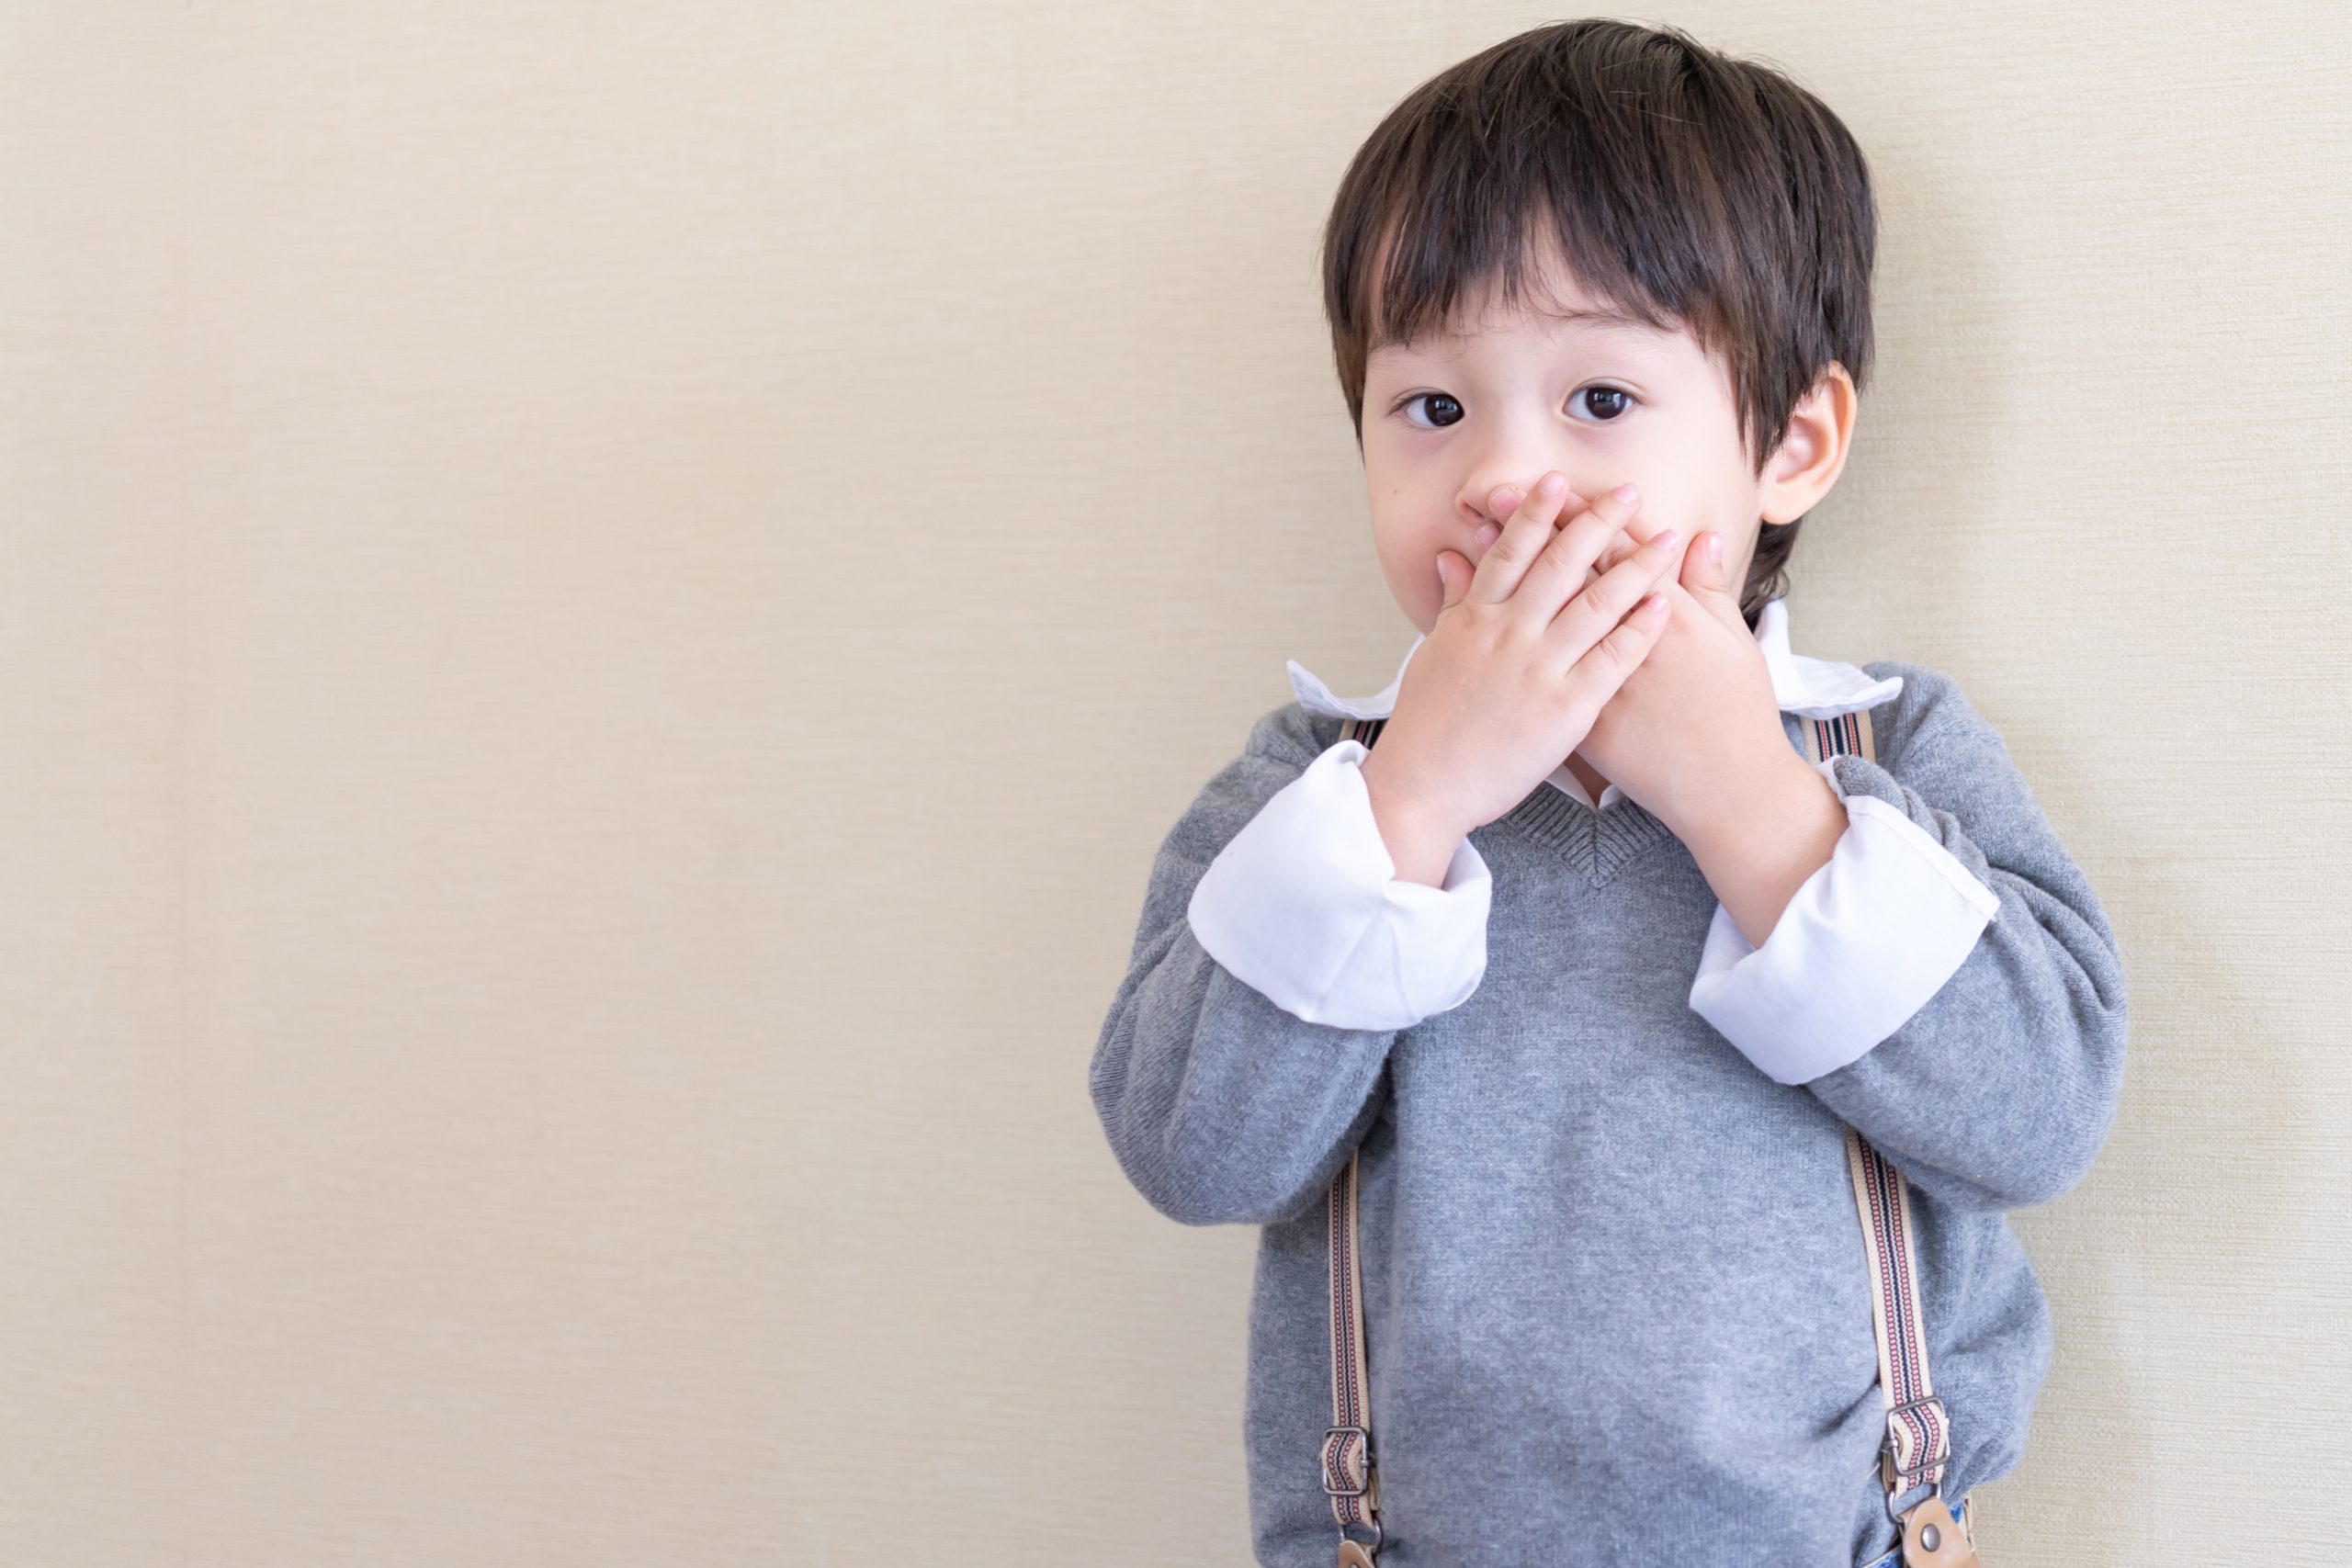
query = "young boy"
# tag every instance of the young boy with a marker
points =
(1575, 976)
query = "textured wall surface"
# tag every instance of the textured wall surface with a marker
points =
(604, 605)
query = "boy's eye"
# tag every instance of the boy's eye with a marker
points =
(1607, 403)
(1438, 401)
(1616, 400)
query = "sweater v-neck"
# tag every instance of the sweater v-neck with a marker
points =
(1598, 843)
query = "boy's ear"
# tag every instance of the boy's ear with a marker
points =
(1811, 451)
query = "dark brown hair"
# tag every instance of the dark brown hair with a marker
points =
(1687, 190)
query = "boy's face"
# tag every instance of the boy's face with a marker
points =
(1448, 421)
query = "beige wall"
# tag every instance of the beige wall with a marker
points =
(604, 607)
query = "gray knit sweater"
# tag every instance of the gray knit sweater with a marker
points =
(1614, 1294)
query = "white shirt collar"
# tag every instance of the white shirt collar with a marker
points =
(1810, 688)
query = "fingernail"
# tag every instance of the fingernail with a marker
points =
(1626, 493)
(1715, 548)
(1665, 539)
(1552, 484)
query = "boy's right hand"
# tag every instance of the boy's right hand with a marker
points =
(1524, 654)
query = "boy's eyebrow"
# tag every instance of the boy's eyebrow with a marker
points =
(1607, 316)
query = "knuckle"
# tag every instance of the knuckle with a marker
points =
(1625, 644)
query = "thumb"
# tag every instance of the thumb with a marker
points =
(1454, 577)
(1704, 578)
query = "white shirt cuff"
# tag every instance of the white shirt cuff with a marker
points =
(1863, 946)
(1303, 905)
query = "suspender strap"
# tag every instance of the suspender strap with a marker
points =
(1918, 1442)
(1346, 1459)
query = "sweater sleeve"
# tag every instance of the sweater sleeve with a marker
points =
(1999, 1091)
(1220, 1106)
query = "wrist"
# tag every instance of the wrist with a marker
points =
(1762, 848)
(1784, 791)
(1420, 838)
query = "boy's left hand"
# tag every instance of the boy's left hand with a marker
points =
(1695, 729)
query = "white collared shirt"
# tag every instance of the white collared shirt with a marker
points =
(1304, 904)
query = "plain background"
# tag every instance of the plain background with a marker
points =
(605, 604)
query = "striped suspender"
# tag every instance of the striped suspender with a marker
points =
(1917, 1445)
(1918, 1442)
(1345, 1461)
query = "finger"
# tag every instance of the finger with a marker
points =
(1529, 528)
(1559, 572)
(1627, 540)
(1588, 617)
(1602, 668)
(1620, 545)
(1507, 498)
